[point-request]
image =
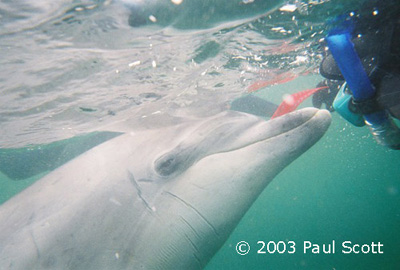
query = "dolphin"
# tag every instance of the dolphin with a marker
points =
(165, 198)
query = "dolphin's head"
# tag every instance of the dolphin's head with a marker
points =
(210, 175)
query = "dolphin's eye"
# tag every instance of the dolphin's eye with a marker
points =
(166, 164)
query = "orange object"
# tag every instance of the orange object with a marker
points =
(291, 102)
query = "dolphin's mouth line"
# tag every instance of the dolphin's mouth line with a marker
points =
(268, 137)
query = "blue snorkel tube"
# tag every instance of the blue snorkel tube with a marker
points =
(380, 123)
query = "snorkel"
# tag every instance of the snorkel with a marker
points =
(380, 123)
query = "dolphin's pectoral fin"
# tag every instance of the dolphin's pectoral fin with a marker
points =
(25, 162)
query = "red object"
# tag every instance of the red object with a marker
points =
(291, 102)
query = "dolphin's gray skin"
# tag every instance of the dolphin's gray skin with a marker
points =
(154, 199)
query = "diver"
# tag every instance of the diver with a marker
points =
(362, 70)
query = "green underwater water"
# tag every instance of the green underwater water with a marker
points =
(345, 188)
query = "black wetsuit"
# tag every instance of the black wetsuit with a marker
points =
(376, 37)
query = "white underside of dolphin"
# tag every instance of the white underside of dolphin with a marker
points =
(153, 199)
